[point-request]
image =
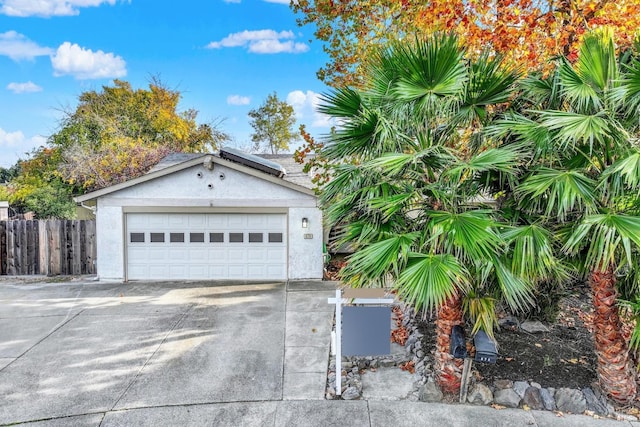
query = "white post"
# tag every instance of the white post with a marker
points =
(338, 342)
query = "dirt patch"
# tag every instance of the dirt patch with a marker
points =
(562, 357)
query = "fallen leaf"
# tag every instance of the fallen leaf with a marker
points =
(498, 407)
(509, 359)
(559, 414)
(526, 407)
(538, 345)
(314, 330)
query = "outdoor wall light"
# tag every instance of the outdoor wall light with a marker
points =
(305, 222)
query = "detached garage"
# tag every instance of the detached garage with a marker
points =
(209, 217)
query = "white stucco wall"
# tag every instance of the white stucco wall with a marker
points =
(198, 189)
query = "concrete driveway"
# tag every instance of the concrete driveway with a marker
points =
(83, 350)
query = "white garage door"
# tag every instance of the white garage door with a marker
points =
(206, 246)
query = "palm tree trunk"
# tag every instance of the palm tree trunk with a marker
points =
(448, 370)
(615, 371)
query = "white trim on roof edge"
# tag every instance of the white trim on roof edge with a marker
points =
(204, 159)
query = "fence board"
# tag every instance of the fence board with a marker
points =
(49, 247)
(3, 247)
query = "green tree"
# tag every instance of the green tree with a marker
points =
(273, 124)
(113, 135)
(581, 127)
(414, 201)
(7, 174)
(118, 133)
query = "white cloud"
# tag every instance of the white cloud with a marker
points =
(304, 105)
(18, 47)
(262, 41)
(27, 87)
(86, 64)
(13, 145)
(232, 1)
(47, 8)
(238, 100)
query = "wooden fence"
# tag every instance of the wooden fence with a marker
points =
(49, 247)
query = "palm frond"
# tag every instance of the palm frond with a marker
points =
(609, 239)
(469, 235)
(431, 279)
(503, 160)
(482, 310)
(516, 292)
(622, 176)
(373, 262)
(573, 129)
(429, 69)
(557, 193)
(533, 254)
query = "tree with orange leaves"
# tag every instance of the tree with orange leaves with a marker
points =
(527, 32)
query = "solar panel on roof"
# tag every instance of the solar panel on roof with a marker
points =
(253, 161)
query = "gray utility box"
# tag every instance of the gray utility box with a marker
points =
(486, 349)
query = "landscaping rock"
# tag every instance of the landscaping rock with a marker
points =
(387, 363)
(502, 384)
(547, 399)
(520, 387)
(507, 397)
(480, 395)
(351, 393)
(532, 398)
(430, 392)
(593, 403)
(509, 322)
(533, 326)
(570, 400)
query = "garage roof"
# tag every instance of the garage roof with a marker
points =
(295, 179)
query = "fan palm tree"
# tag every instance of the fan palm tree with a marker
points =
(412, 197)
(584, 174)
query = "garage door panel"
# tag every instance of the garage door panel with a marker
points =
(236, 255)
(197, 255)
(237, 271)
(206, 246)
(158, 271)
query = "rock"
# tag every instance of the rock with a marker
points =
(536, 385)
(411, 340)
(507, 397)
(570, 400)
(374, 363)
(593, 403)
(520, 387)
(533, 326)
(420, 354)
(502, 384)
(351, 393)
(387, 363)
(509, 322)
(548, 401)
(621, 416)
(480, 395)
(430, 392)
(532, 398)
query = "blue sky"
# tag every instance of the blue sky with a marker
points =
(225, 57)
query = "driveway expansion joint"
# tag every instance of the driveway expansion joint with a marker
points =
(146, 362)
